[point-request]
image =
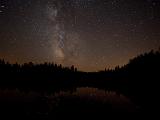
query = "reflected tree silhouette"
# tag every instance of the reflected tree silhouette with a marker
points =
(138, 80)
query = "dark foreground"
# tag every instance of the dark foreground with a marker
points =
(51, 91)
(82, 102)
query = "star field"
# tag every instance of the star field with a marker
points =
(90, 34)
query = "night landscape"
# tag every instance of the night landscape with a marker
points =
(83, 58)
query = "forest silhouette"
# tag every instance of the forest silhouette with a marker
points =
(138, 80)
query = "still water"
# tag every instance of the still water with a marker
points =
(92, 99)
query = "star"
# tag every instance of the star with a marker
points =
(88, 34)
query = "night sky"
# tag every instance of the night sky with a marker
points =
(90, 34)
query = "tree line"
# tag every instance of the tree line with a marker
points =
(139, 79)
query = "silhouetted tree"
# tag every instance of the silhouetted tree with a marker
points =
(138, 79)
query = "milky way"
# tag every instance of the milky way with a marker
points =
(58, 32)
(65, 43)
(90, 34)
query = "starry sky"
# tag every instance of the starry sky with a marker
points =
(89, 34)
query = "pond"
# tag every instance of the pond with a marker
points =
(83, 101)
(91, 100)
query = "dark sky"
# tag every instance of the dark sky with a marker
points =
(90, 34)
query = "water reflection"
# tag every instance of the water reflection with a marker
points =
(82, 101)
(92, 99)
